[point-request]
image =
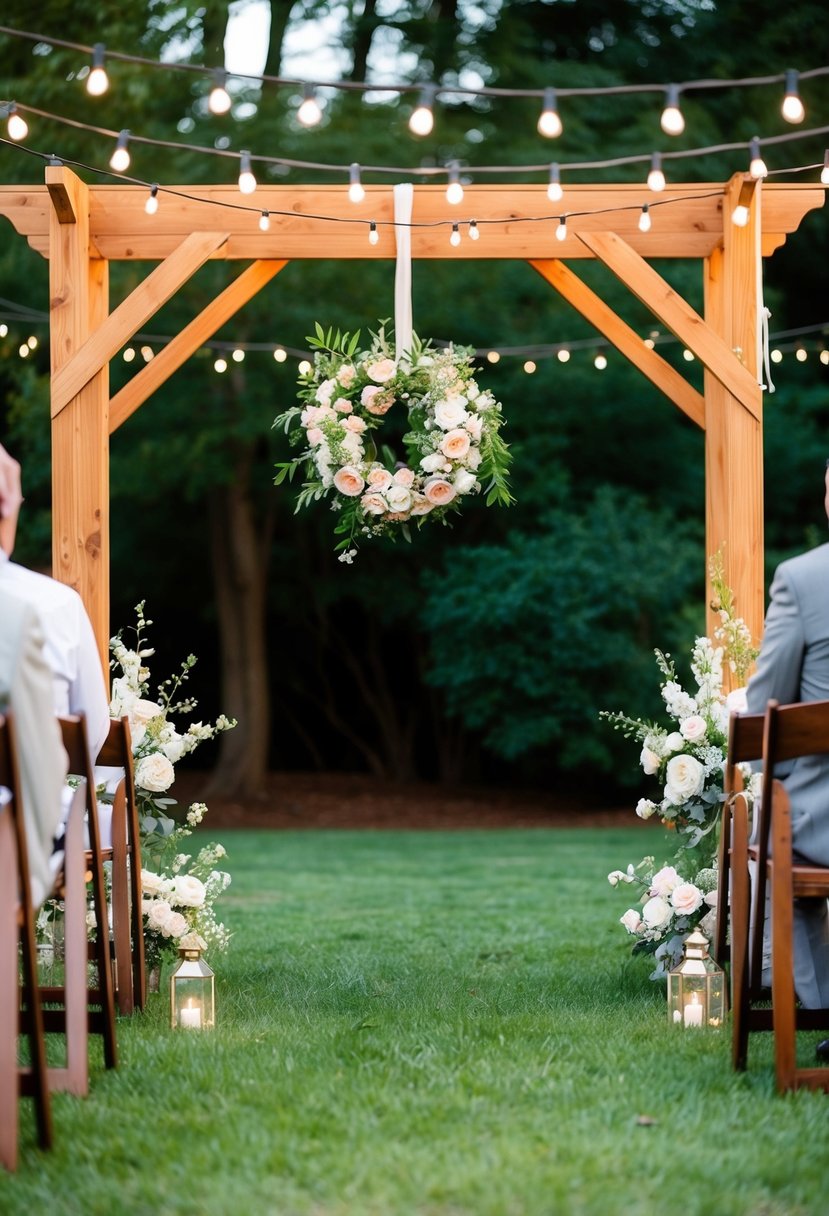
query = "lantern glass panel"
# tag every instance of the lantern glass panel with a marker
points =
(192, 995)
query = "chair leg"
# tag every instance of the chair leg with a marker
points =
(74, 1078)
(121, 906)
(782, 953)
(102, 948)
(9, 995)
(740, 901)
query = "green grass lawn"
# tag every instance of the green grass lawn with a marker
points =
(432, 1023)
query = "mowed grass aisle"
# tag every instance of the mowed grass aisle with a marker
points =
(430, 1023)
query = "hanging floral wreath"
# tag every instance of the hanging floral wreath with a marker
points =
(453, 446)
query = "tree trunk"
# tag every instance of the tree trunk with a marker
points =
(239, 554)
(280, 16)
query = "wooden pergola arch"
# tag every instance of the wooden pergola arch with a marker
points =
(82, 228)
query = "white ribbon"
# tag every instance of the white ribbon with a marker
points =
(403, 198)
(766, 383)
(763, 313)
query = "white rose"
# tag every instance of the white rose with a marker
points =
(737, 701)
(693, 729)
(684, 778)
(656, 913)
(381, 370)
(686, 898)
(475, 425)
(649, 761)
(664, 881)
(174, 748)
(154, 773)
(433, 462)
(325, 391)
(174, 925)
(631, 920)
(450, 413)
(645, 808)
(674, 742)
(157, 914)
(187, 891)
(398, 498)
(153, 884)
(141, 712)
(473, 458)
(464, 481)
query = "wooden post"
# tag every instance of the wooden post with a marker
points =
(79, 294)
(734, 433)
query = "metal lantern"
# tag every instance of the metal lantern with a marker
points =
(696, 986)
(192, 997)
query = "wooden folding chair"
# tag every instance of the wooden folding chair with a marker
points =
(790, 731)
(101, 1016)
(125, 855)
(745, 743)
(17, 928)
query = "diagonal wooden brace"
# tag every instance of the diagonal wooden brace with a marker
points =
(131, 314)
(679, 317)
(180, 348)
(593, 308)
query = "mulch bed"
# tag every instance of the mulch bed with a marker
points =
(348, 800)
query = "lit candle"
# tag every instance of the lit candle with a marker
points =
(190, 1016)
(692, 1012)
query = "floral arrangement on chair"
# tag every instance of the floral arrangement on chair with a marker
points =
(687, 758)
(180, 891)
(453, 447)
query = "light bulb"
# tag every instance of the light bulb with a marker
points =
(120, 159)
(561, 230)
(247, 182)
(672, 122)
(656, 178)
(777, 356)
(238, 355)
(373, 234)
(757, 167)
(309, 113)
(549, 123)
(355, 190)
(454, 191)
(220, 365)
(129, 354)
(280, 354)
(824, 173)
(739, 215)
(688, 355)
(97, 82)
(4, 329)
(147, 353)
(554, 191)
(600, 362)
(264, 221)
(31, 342)
(801, 354)
(493, 357)
(529, 367)
(455, 238)
(645, 219)
(304, 367)
(422, 119)
(474, 234)
(23, 351)
(563, 355)
(824, 357)
(151, 205)
(792, 108)
(219, 100)
(16, 126)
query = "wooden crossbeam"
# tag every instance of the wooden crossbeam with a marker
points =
(674, 312)
(131, 314)
(200, 329)
(593, 308)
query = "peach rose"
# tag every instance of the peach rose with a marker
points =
(455, 444)
(354, 424)
(373, 504)
(348, 481)
(439, 491)
(380, 402)
(345, 375)
(404, 477)
(420, 504)
(343, 406)
(382, 370)
(315, 436)
(379, 478)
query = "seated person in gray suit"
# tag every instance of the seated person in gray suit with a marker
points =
(794, 666)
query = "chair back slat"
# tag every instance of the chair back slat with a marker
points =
(799, 730)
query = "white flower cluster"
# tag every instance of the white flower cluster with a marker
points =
(670, 908)
(177, 905)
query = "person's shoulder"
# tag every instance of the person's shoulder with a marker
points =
(38, 589)
(814, 562)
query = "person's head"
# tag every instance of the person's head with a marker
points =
(10, 499)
